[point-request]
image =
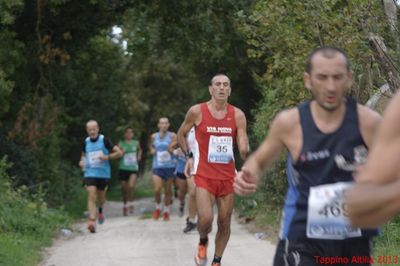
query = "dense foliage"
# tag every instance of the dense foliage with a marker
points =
(61, 64)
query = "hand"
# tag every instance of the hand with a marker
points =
(358, 172)
(192, 180)
(104, 157)
(188, 167)
(178, 152)
(245, 182)
(363, 203)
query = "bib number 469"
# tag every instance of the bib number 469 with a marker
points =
(335, 208)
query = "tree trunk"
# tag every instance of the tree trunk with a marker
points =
(385, 62)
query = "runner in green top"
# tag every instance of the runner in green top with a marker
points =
(128, 168)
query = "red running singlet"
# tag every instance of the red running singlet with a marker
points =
(215, 139)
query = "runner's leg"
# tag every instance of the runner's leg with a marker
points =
(182, 184)
(204, 201)
(91, 204)
(192, 199)
(225, 208)
(131, 189)
(157, 187)
(124, 191)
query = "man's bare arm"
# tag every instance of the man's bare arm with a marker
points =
(242, 138)
(371, 205)
(140, 152)
(115, 153)
(246, 180)
(383, 161)
(151, 147)
(193, 116)
(173, 143)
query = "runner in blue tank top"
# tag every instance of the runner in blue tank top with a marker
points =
(97, 150)
(326, 138)
(162, 145)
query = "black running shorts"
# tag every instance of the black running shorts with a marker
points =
(315, 252)
(100, 183)
(124, 174)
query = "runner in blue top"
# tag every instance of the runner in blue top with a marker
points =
(326, 138)
(161, 147)
(97, 150)
(180, 178)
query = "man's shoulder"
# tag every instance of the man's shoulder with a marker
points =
(195, 109)
(367, 117)
(287, 119)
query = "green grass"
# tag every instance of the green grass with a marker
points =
(21, 250)
(388, 244)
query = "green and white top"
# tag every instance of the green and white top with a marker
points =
(129, 161)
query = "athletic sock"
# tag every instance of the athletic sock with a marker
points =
(217, 259)
(100, 209)
(158, 206)
(192, 220)
(166, 208)
(203, 241)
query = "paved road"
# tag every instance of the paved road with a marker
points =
(140, 241)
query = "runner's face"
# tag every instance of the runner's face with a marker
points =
(128, 134)
(92, 128)
(163, 124)
(328, 81)
(220, 88)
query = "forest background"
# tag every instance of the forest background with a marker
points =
(62, 63)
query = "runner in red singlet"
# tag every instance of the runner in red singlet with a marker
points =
(218, 126)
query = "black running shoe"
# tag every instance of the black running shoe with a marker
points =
(189, 226)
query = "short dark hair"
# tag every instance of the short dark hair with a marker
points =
(328, 52)
(219, 74)
(127, 128)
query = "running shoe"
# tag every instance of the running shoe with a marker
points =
(201, 257)
(166, 216)
(100, 219)
(131, 208)
(189, 226)
(125, 211)
(91, 226)
(215, 264)
(156, 214)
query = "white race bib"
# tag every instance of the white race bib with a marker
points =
(130, 159)
(220, 149)
(94, 158)
(163, 157)
(327, 218)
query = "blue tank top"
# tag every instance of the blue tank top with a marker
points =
(180, 164)
(96, 168)
(324, 159)
(162, 158)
